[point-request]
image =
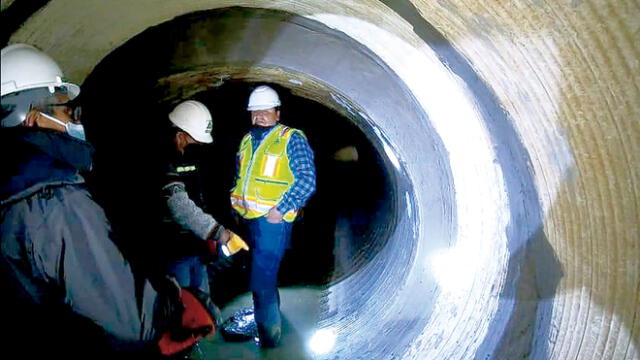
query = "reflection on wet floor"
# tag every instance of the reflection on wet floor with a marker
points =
(300, 307)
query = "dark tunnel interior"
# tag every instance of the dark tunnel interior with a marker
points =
(342, 227)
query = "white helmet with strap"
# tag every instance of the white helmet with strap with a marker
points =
(24, 67)
(193, 118)
(263, 98)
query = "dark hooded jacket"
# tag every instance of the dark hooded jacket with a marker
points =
(37, 159)
(58, 263)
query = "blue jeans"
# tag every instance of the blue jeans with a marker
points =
(268, 242)
(191, 272)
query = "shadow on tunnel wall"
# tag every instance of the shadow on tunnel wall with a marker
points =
(536, 272)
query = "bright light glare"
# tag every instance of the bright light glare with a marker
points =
(322, 341)
(454, 269)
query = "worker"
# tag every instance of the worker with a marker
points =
(195, 234)
(275, 178)
(58, 265)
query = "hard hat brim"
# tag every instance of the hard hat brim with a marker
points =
(73, 90)
(262, 107)
(204, 138)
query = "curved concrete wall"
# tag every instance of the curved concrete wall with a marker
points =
(534, 106)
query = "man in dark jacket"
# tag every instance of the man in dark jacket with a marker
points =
(57, 261)
(195, 233)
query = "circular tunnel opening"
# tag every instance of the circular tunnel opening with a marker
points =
(342, 227)
(357, 239)
(344, 223)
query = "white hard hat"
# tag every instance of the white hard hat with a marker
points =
(194, 118)
(263, 98)
(25, 67)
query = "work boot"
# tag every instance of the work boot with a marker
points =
(267, 314)
(269, 336)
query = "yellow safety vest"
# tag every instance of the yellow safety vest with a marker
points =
(264, 176)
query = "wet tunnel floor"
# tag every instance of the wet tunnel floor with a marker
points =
(300, 307)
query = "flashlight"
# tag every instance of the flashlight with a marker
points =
(234, 245)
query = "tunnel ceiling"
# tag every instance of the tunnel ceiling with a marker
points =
(540, 132)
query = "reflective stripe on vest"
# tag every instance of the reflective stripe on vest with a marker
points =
(184, 169)
(264, 176)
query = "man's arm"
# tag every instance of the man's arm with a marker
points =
(304, 171)
(185, 212)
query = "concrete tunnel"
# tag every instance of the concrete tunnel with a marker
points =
(506, 133)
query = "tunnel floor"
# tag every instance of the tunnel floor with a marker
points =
(300, 308)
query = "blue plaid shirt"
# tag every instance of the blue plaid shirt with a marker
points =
(302, 166)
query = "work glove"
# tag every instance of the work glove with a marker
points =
(234, 245)
(223, 242)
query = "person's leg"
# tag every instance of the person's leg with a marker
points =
(199, 276)
(266, 305)
(180, 269)
(269, 244)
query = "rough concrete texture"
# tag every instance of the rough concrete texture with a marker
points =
(542, 157)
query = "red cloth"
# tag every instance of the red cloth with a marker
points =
(195, 318)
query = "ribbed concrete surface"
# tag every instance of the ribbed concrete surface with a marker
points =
(565, 73)
(572, 68)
